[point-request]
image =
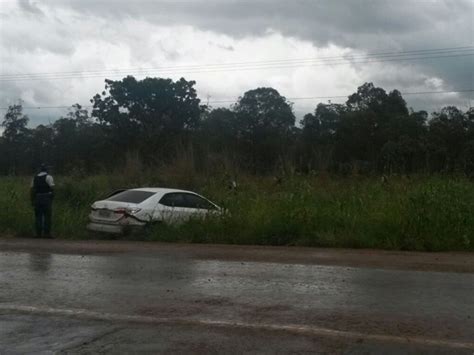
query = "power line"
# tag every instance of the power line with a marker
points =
(288, 98)
(265, 62)
(232, 69)
(262, 66)
(341, 57)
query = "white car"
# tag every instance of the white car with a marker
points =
(129, 209)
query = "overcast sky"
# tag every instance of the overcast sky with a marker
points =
(213, 42)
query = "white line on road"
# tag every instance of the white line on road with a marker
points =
(293, 328)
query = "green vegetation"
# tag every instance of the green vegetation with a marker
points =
(160, 122)
(157, 132)
(421, 213)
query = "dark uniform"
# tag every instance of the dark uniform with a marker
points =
(42, 199)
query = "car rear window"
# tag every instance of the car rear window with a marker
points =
(131, 196)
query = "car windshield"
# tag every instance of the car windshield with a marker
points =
(131, 196)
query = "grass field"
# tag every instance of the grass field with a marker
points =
(421, 213)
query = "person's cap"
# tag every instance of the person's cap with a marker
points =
(43, 167)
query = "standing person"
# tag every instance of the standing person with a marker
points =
(42, 199)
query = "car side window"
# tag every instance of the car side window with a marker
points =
(194, 201)
(173, 200)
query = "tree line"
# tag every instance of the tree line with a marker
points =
(158, 121)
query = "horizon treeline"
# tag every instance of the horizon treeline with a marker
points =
(157, 122)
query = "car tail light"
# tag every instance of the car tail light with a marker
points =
(133, 210)
(130, 211)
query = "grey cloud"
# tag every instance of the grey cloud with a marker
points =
(24, 41)
(339, 21)
(368, 25)
(31, 7)
(364, 24)
(37, 116)
(35, 32)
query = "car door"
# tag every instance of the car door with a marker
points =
(198, 206)
(173, 208)
(176, 207)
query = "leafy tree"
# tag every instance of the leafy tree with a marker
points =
(468, 154)
(264, 122)
(79, 115)
(368, 97)
(152, 113)
(447, 138)
(15, 124)
(79, 141)
(162, 120)
(318, 131)
(323, 124)
(15, 137)
(375, 121)
(41, 146)
(356, 137)
(407, 133)
(219, 128)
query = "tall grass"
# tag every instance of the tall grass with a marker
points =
(423, 213)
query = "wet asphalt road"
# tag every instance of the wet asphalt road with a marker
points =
(174, 300)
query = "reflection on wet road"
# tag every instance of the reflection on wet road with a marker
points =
(112, 282)
(431, 304)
